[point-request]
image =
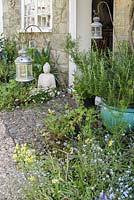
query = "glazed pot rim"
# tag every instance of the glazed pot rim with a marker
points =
(128, 110)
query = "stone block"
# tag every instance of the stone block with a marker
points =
(63, 57)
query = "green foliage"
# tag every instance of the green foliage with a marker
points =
(41, 96)
(104, 74)
(90, 78)
(10, 51)
(14, 94)
(6, 72)
(71, 123)
(121, 82)
(8, 54)
(95, 162)
(40, 58)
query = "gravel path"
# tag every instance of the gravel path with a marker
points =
(19, 126)
(9, 176)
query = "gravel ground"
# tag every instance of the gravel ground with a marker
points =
(19, 126)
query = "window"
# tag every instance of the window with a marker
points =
(36, 12)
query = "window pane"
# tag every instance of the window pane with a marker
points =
(37, 12)
(44, 13)
(29, 12)
(29, 21)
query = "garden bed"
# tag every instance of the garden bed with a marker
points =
(18, 127)
(77, 157)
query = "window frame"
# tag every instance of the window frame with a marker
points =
(35, 26)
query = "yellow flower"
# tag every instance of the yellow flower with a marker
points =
(19, 166)
(50, 111)
(15, 156)
(30, 159)
(24, 145)
(110, 143)
(31, 179)
(87, 141)
(17, 146)
(54, 181)
(23, 149)
(78, 137)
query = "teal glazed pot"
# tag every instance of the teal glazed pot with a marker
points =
(114, 118)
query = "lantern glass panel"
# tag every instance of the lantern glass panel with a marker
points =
(29, 70)
(23, 68)
(98, 31)
(93, 31)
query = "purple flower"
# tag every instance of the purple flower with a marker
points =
(104, 196)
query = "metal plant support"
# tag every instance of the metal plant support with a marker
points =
(33, 25)
(131, 23)
(98, 12)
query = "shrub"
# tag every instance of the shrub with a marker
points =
(71, 123)
(7, 56)
(14, 94)
(90, 78)
(105, 74)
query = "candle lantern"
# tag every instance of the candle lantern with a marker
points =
(24, 71)
(96, 28)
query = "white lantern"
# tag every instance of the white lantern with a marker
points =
(96, 29)
(24, 71)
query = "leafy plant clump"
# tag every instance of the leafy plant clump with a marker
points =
(8, 53)
(105, 74)
(121, 82)
(90, 78)
(14, 94)
(71, 123)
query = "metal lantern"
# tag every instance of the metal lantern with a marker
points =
(96, 28)
(24, 71)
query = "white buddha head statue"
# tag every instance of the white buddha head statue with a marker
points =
(46, 68)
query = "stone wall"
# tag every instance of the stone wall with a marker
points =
(12, 21)
(11, 17)
(121, 19)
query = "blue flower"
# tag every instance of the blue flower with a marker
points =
(104, 196)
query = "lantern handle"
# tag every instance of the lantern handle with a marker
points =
(98, 11)
(33, 25)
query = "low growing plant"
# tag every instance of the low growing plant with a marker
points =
(14, 94)
(71, 123)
